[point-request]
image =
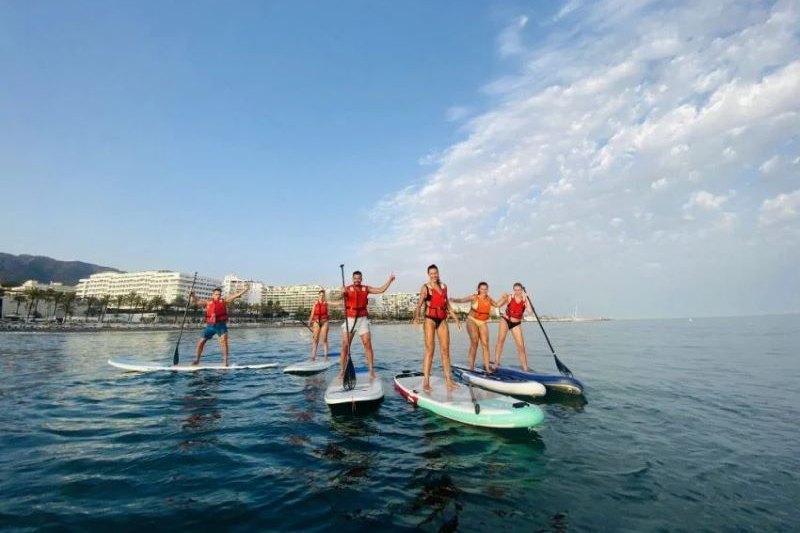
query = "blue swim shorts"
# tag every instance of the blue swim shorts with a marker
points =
(220, 328)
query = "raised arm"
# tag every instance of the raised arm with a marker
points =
(239, 294)
(197, 301)
(503, 300)
(465, 299)
(382, 288)
(423, 294)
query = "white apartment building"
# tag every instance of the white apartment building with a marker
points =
(33, 284)
(232, 283)
(293, 297)
(393, 305)
(151, 283)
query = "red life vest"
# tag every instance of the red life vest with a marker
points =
(216, 311)
(437, 302)
(515, 309)
(320, 311)
(356, 299)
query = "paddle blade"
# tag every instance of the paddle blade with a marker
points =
(562, 367)
(349, 380)
(175, 357)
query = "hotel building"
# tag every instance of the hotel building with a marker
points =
(151, 283)
(232, 283)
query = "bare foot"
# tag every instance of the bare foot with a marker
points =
(340, 375)
(372, 375)
(313, 358)
(451, 386)
(426, 386)
(196, 362)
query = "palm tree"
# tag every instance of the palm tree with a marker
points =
(157, 303)
(91, 301)
(32, 293)
(20, 299)
(58, 297)
(104, 301)
(132, 299)
(68, 304)
(120, 299)
(49, 296)
(178, 303)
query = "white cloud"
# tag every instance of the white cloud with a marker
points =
(657, 114)
(768, 166)
(510, 41)
(659, 184)
(708, 201)
(456, 113)
(566, 9)
(783, 208)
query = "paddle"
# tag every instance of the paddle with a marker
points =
(306, 325)
(175, 357)
(472, 394)
(349, 380)
(561, 366)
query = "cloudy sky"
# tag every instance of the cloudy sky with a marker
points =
(630, 158)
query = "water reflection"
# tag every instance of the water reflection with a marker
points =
(201, 404)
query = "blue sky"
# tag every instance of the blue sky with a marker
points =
(634, 159)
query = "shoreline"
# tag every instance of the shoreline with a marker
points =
(80, 327)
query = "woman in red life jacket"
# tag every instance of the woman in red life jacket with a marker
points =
(510, 319)
(433, 295)
(477, 326)
(216, 320)
(356, 298)
(318, 322)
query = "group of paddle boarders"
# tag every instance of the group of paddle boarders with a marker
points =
(433, 298)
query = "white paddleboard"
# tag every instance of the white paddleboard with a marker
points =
(366, 391)
(501, 384)
(313, 367)
(152, 366)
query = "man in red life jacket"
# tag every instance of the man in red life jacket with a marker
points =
(216, 320)
(355, 302)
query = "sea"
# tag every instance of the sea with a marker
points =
(686, 425)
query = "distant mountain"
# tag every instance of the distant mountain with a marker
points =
(17, 269)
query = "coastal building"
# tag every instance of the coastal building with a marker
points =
(232, 283)
(398, 305)
(292, 297)
(167, 284)
(33, 284)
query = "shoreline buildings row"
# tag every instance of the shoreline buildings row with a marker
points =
(171, 286)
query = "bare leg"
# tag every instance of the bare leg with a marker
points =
(444, 347)
(367, 342)
(483, 333)
(314, 340)
(520, 341)
(223, 342)
(345, 351)
(472, 330)
(200, 345)
(427, 360)
(324, 335)
(501, 338)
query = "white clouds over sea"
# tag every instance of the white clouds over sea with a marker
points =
(640, 160)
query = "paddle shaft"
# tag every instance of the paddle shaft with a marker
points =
(561, 366)
(175, 356)
(349, 378)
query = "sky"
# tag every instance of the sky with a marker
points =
(625, 158)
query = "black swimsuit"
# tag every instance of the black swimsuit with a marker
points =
(511, 325)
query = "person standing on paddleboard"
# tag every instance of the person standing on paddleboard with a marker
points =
(356, 297)
(477, 327)
(318, 322)
(216, 320)
(433, 295)
(509, 321)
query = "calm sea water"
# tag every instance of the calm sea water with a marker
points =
(688, 426)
